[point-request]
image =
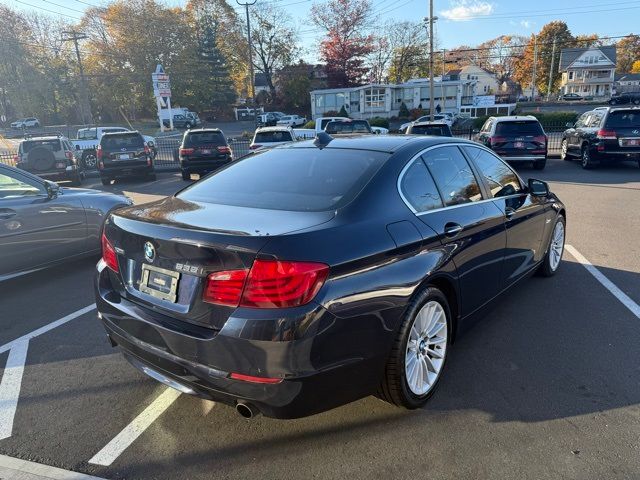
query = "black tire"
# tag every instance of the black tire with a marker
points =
(564, 150)
(539, 164)
(186, 176)
(546, 268)
(394, 387)
(105, 181)
(585, 158)
(89, 160)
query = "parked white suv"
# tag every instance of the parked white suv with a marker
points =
(269, 137)
(30, 122)
(292, 121)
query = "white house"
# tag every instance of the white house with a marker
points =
(627, 82)
(486, 82)
(588, 71)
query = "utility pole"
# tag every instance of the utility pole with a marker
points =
(553, 58)
(431, 92)
(250, 57)
(535, 63)
(85, 107)
(444, 55)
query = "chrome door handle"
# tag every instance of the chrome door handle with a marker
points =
(509, 212)
(452, 229)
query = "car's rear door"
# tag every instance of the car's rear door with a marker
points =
(469, 225)
(525, 216)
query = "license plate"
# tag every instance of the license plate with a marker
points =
(60, 165)
(629, 142)
(124, 156)
(518, 145)
(159, 282)
(206, 152)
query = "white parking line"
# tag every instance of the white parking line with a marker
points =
(10, 387)
(46, 328)
(126, 437)
(606, 283)
(18, 469)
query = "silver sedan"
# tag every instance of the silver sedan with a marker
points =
(42, 224)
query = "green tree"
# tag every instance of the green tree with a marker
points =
(404, 111)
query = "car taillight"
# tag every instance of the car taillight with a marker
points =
(496, 140)
(269, 284)
(540, 139)
(254, 146)
(187, 151)
(109, 254)
(99, 153)
(224, 149)
(604, 134)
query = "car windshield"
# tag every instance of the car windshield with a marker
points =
(120, 141)
(348, 127)
(519, 128)
(193, 139)
(437, 130)
(276, 136)
(623, 119)
(316, 180)
(12, 187)
(52, 144)
(88, 134)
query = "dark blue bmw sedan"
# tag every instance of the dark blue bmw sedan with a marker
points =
(305, 277)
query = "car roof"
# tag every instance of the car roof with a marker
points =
(45, 137)
(128, 132)
(514, 118)
(379, 143)
(273, 129)
(203, 129)
(435, 124)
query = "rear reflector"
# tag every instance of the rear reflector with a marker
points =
(109, 254)
(249, 378)
(269, 284)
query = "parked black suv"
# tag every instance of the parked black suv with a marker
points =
(124, 154)
(202, 151)
(625, 98)
(603, 135)
(49, 157)
(428, 128)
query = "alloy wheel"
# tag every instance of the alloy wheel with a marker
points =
(90, 161)
(586, 160)
(426, 348)
(557, 246)
(563, 149)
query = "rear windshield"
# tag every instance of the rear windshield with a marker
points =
(348, 127)
(53, 145)
(266, 137)
(623, 118)
(436, 130)
(298, 179)
(204, 138)
(519, 128)
(88, 134)
(119, 141)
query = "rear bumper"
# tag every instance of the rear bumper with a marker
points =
(69, 172)
(275, 344)
(111, 171)
(523, 158)
(205, 165)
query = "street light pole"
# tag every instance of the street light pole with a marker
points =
(85, 107)
(251, 90)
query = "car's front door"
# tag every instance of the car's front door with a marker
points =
(524, 214)
(36, 228)
(469, 225)
(573, 134)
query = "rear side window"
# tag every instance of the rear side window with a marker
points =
(623, 119)
(193, 139)
(519, 128)
(297, 179)
(453, 175)
(266, 137)
(52, 144)
(117, 142)
(435, 130)
(418, 188)
(501, 179)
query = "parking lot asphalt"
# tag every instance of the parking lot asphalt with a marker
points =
(546, 386)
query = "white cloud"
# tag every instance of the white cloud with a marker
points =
(526, 24)
(467, 9)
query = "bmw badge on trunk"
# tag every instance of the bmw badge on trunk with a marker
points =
(149, 252)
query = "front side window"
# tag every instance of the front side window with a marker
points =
(16, 186)
(418, 189)
(501, 179)
(453, 176)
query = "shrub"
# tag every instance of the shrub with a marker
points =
(331, 113)
(404, 111)
(343, 112)
(416, 113)
(379, 122)
(310, 124)
(479, 122)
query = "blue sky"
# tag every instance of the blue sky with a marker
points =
(461, 22)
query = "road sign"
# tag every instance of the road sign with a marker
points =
(161, 83)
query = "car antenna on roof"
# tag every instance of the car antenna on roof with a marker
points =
(322, 140)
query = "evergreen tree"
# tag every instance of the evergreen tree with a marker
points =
(220, 91)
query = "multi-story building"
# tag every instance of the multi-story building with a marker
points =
(589, 72)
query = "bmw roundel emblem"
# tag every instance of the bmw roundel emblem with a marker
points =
(149, 251)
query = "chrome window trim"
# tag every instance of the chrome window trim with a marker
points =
(457, 144)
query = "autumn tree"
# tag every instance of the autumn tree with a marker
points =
(379, 59)
(499, 55)
(409, 44)
(346, 45)
(588, 40)
(274, 41)
(627, 52)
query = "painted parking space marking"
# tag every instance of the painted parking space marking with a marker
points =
(605, 282)
(10, 387)
(131, 432)
(16, 468)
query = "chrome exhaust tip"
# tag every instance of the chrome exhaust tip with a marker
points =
(247, 410)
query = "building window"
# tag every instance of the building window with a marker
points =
(374, 97)
(319, 101)
(570, 75)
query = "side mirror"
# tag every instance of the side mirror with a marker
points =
(538, 188)
(569, 125)
(52, 189)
